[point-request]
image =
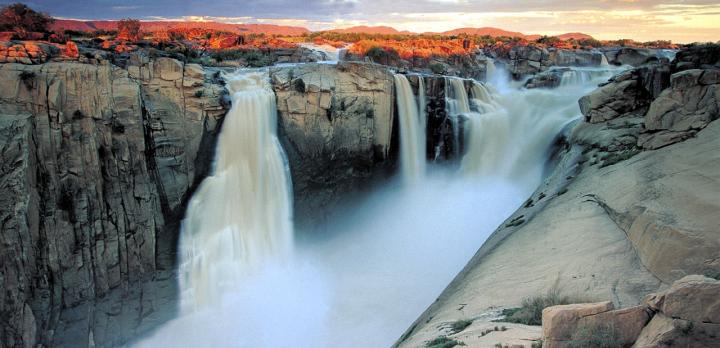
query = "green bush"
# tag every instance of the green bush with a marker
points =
(443, 342)
(530, 313)
(437, 68)
(602, 337)
(253, 58)
(460, 325)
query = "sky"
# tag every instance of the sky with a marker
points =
(679, 21)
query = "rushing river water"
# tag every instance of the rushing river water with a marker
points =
(379, 262)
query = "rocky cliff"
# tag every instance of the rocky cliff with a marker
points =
(628, 210)
(100, 158)
(336, 125)
(97, 163)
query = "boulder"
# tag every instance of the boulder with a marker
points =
(561, 323)
(690, 104)
(563, 57)
(697, 57)
(664, 331)
(631, 56)
(695, 298)
(546, 79)
(525, 60)
(624, 94)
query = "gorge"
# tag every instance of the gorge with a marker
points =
(327, 200)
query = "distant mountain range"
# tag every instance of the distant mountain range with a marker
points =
(150, 26)
(69, 24)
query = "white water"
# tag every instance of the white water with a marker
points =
(412, 129)
(583, 76)
(332, 54)
(377, 263)
(241, 216)
(603, 60)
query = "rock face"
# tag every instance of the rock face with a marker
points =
(621, 95)
(631, 56)
(692, 101)
(336, 124)
(97, 161)
(614, 220)
(529, 60)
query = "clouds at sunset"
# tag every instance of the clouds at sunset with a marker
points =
(681, 21)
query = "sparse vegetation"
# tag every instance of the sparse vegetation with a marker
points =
(253, 58)
(537, 344)
(516, 221)
(129, 29)
(437, 68)
(444, 342)
(602, 337)
(530, 313)
(199, 93)
(487, 331)
(460, 325)
(713, 274)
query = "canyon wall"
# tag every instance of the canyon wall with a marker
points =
(99, 160)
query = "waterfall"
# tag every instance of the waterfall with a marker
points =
(582, 76)
(575, 77)
(240, 216)
(603, 60)
(412, 130)
(379, 261)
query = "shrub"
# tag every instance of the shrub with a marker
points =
(21, 19)
(713, 274)
(530, 313)
(443, 342)
(460, 325)
(602, 337)
(253, 58)
(129, 29)
(437, 68)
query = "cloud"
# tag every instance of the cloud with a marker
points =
(681, 21)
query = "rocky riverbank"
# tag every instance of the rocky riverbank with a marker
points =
(628, 210)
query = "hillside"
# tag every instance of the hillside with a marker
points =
(149, 26)
(382, 30)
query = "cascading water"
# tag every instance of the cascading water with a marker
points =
(412, 129)
(581, 76)
(603, 60)
(375, 265)
(241, 215)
